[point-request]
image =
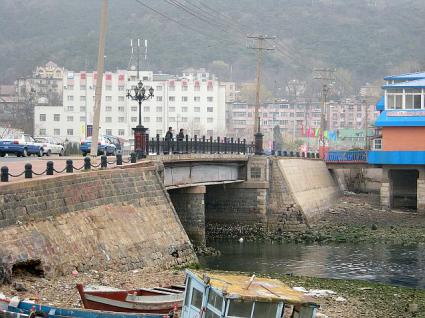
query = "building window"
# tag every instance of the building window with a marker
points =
(56, 117)
(210, 120)
(184, 88)
(121, 132)
(197, 109)
(70, 132)
(146, 109)
(108, 131)
(171, 98)
(83, 87)
(108, 108)
(69, 118)
(71, 87)
(255, 173)
(121, 109)
(197, 99)
(184, 119)
(56, 132)
(120, 98)
(83, 118)
(184, 109)
(172, 88)
(108, 119)
(121, 88)
(82, 98)
(121, 119)
(171, 109)
(210, 109)
(42, 132)
(134, 108)
(184, 98)
(395, 99)
(158, 88)
(108, 88)
(159, 119)
(70, 98)
(172, 119)
(133, 119)
(196, 120)
(147, 119)
(70, 108)
(159, 98)
(210, 99)
(82, 109)
(108, 98)
(42, 117)
(159, 109)
(413, 98)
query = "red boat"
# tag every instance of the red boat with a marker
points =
(159, 300)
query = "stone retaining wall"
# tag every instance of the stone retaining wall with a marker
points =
(112, 219)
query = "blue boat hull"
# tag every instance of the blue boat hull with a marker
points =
(55, 312)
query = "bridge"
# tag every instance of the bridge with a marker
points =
(152, 208)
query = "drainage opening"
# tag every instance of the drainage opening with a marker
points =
(28, 268)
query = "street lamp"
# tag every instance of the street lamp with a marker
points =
(138, 93)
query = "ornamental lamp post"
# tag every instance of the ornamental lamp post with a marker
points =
(138, 93)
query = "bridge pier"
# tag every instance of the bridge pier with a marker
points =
(190, 207)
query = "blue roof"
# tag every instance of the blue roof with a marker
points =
(420, 83)
(380, 105)
(401, 118)
(407, 76)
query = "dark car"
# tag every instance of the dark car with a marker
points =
(105, 146)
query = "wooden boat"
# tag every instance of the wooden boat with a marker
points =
(159, 300)
(25, 309)
(234, 295)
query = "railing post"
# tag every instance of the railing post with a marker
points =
(218, 144)
(4, 174)
(211, 145)
(119, 159)
(28, 171)
(49, 168)
(244, 146)
(239, 145)
(231, 145)
(87, 163)
(69, 166)
(177, 145)
(187, 143)
(103, 162)
(203, 144)
(157, 144)
(133, 157)
(225, 144)
(196, 143)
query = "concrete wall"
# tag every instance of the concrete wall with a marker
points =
(112, 219)
(311, 185)
(190, 207)
(359, 179)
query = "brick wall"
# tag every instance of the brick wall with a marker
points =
(112, 219)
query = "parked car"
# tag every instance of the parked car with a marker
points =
(50, 146)
(105, 146)
(118, 142)
(20, 145)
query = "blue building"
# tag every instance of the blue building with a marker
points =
(400, 149)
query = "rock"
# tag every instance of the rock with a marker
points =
(374, 227)
(413, 308)
(19, 287)
(340, 299)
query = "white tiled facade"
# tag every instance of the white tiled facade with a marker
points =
(194, 103)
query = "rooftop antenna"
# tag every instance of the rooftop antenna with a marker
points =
(132, 53)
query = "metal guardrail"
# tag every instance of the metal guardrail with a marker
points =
(355, 156)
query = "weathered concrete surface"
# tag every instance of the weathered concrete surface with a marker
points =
(366, 180)
(113, 219)
(190, 207)
(311, 185)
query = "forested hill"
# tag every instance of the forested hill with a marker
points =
(365, 39)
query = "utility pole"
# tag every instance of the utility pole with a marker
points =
(99, 81)
(327, 77)
(257, 125)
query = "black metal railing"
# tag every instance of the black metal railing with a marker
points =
(195, 144)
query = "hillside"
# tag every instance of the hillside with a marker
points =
(365, 39)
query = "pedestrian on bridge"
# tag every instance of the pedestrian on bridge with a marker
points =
(168, 146)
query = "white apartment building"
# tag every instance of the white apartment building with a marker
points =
(194, 102)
